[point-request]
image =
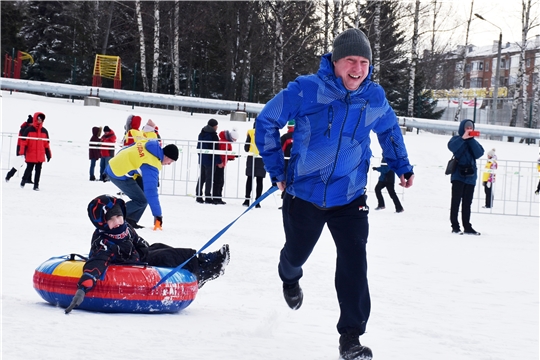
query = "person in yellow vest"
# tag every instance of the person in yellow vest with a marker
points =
(142, 159)
(488, 178)
(254, 167)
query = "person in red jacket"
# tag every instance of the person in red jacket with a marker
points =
(107, 151)
(226, 137)
(20, 163)
(133, 133)
(93, 151)
(35, 148)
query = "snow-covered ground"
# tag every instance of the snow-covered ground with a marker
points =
(434, 295)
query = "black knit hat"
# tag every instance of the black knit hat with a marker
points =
(171, 151)
(30, 119)
(106, 128)
(212, 122)
(116, 210)
(351, 42)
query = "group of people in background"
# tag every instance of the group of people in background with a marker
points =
(215, 150)
(102, 148)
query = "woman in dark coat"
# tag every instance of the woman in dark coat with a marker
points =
(93, 151)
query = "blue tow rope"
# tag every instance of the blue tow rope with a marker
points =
(217, 236)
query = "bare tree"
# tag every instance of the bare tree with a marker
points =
(138, 14)
(520, 93)
(175, 51)
(376, 58)
(463, 64)
(414, 60)
(155, 73)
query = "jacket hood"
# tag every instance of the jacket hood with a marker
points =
(35, 120)
(96, 131)
(98, 207)
(208, 129)
(461, 130)
(326, 72)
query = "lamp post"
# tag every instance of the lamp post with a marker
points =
(497, 70)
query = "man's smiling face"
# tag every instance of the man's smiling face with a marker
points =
(352, 70)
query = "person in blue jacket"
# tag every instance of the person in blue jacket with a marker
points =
(466, 150)
(334, 112)
(386, 180)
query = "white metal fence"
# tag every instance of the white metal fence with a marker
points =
(513, 190)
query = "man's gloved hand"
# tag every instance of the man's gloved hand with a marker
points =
(48, 158)
(374, 168)
(158, 222)
(77, 300)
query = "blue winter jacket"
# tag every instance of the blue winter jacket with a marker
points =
(466, 151)
(331, 153)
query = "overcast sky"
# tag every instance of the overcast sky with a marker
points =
(506, 14)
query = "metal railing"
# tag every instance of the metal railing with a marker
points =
(513, 189)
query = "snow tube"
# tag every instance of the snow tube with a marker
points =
(122, 289)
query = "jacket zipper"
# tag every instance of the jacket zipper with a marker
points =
(347, 101)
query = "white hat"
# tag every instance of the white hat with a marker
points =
(233, 134)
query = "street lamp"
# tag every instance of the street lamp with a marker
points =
(497, 70)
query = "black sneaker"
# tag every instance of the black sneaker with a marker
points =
(258, 206)
(208, 201)
(456, 231)
(219, 202)
(350, 348)
(245, 203)
(199, 200)
(212, 265)
(134, 224)
(22, 183)
(380, 208)
(36, 188)
(471, 231)
(400, 211)
(293, 295)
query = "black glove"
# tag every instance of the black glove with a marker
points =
(408, 175)
(374, 168)
(77, 300)
(48, 158)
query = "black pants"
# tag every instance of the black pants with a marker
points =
(166, 256)
(249, 186)
(28, 173)
(348, 224)
(391, 191)
(219, 181)
(461, 193)
(489, 194)
(206, 180)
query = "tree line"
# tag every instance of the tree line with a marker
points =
(232, 50)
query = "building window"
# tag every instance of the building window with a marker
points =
(480, 65)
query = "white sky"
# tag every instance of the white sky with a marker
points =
(504, 13)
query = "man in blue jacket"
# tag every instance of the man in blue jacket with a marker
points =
(466, 150)
(334, 111)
